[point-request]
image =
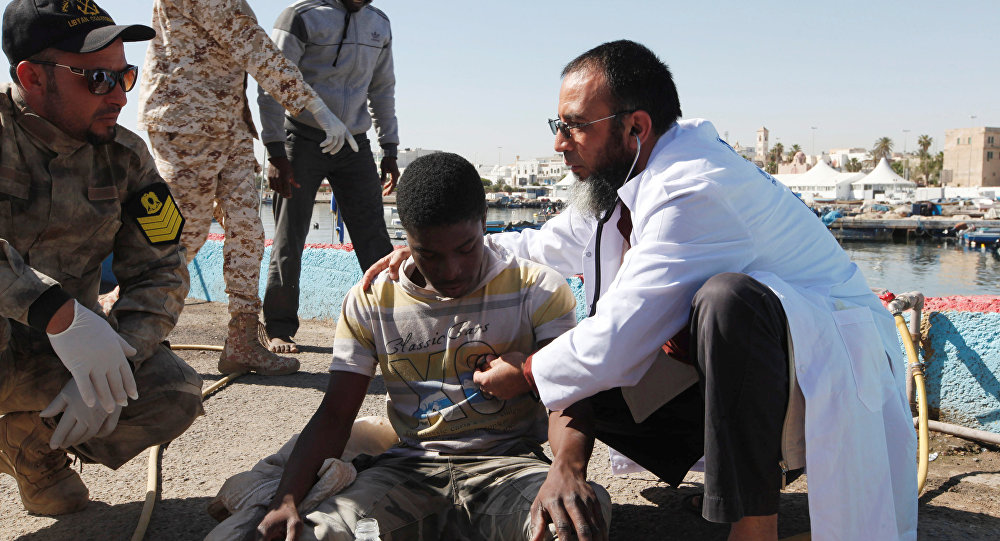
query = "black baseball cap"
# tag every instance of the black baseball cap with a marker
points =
(75, 26)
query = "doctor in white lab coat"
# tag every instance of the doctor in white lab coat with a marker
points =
(697, 210)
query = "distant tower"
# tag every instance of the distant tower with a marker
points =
(761, 150)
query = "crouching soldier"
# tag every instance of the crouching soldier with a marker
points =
(74, 188)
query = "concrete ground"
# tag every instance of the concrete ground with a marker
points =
(252, 417)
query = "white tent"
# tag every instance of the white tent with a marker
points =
(562, 188)
(883, 183)
(821, 182)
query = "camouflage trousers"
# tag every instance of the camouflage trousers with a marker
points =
(215, 177)
(439, 498)
(31, 375)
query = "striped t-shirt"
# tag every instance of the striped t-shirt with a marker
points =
(427, 347)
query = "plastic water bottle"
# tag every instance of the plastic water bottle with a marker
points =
(366, 530)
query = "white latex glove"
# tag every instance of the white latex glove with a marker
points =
(336, 131)
(95, 354)
(79, 421)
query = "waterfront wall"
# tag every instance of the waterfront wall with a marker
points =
(961, 352)
(961, 344)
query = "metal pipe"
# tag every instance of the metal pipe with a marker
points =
(963, 432)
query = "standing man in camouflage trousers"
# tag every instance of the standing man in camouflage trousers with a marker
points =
(74, 188)
(344, 49)
(193, 103)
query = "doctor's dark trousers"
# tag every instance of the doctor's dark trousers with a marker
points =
(734, 416)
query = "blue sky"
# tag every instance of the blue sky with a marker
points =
(473, 76)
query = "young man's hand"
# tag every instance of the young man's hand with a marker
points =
(282, 523)
(570, 503)
(389, 169)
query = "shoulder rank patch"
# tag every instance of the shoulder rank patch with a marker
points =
(155, 212)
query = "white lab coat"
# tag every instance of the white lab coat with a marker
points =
(699, 209)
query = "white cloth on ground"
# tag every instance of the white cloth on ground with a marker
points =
(245, 495)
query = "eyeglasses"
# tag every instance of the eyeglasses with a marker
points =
(558, 126)
(101, 81)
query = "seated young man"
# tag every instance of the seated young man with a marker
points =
(469, 465)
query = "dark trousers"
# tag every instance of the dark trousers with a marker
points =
(734, 417)
(357, 188)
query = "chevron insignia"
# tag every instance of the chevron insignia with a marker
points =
(153, 209)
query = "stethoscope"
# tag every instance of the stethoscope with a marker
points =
(600, 229)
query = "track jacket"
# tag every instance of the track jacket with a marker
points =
(347, 58)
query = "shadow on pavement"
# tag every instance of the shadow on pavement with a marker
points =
(670, 517)
(172, 519)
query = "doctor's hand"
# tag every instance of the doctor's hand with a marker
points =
(336, 131)
(96, 356)
(392, 262)
(280, 176)
(502, 376)
(79, 422)
(570, 504)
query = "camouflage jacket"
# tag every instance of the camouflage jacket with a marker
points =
(62, 211)
(194, 77)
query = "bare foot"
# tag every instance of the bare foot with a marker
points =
(283, 344)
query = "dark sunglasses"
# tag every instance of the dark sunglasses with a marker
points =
(101, 81)
(558, 126)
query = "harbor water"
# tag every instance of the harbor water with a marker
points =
(936, 268)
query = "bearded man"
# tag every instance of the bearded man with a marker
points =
(720, 307)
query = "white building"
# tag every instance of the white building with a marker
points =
(551, 170)
(840, 157)
(497, 174)
(539, 171)
(747, 152)
(760, 156)
(406, 156)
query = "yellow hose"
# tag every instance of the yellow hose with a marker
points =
(918, 380)
(182, 347)
(151, 490)
(152, 474)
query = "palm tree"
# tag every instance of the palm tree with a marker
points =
(795, 150)
(853, 166)
(778, 153)
(882, 149)
(924, 142)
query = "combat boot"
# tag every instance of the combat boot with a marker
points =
(47, 483)
(245, 351)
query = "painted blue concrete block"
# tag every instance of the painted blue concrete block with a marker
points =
(576, 285)
(327, 275)
(962, 363)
